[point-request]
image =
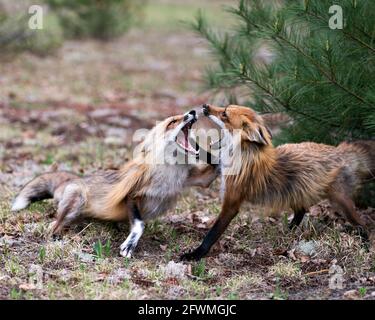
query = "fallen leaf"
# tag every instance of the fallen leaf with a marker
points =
(351, 294)
(27, 286)
(304, 258)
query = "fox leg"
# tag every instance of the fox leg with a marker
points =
(202, 177)
(341, 194)
(297, 218)
(228, 212)
(40, 188)
(136, 231)
(69, 208)
(347, 205)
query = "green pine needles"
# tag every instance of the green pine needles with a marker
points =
(288, 59)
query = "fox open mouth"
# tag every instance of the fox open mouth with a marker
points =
(216, 144)
(183, 139)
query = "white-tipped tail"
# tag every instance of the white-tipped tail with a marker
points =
(20, 203)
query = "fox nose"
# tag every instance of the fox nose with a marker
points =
(206, 109)
(190, 113)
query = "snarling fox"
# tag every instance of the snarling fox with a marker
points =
(142, 189)
(291, 176)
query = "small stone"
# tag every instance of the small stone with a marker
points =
(351, 294)
(85, 257)
(35, 277)
(64, 275)
(27, 286)
(119, 276)
(174, 270)
(307, 248)
(8, 241)
(174, 292)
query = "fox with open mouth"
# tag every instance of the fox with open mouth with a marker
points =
(142, 189)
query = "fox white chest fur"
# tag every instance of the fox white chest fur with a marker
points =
(167, 180)
(166, 183)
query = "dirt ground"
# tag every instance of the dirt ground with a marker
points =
(79, 109)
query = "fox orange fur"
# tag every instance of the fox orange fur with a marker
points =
(294, 176)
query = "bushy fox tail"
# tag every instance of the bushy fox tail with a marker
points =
(41, 187)
(369, 148)
(365, 149)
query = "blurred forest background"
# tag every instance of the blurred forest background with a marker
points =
(73, 94)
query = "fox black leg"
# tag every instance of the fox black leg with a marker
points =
(297, 218)
(136, 231)
(229, 211)
(204, 248)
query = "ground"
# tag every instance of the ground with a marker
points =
(79, 109)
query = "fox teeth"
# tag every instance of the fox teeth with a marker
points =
(215, 144)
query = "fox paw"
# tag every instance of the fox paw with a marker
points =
(126, 250)
(194, 255)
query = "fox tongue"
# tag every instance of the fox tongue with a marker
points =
(186, 137)
(186, 140)
(183, 141)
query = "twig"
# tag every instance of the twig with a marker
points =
(316, 272)
(84, 229)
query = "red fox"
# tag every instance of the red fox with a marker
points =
(294, 176)
(143, 189)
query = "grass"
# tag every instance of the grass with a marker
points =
(285, 270)
(279, 294)
(362, 292)
(228, 273)
(102, 251)
(42, 254)
(199, 269)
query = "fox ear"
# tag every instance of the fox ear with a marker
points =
(257, 133)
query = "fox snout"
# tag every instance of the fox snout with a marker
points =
(206, 109)
(190, 116)
(211, 110)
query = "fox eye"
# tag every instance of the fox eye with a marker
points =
(171, 124)
(224, 115)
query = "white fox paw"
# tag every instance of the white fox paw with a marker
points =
(127, 252)
(127, 248)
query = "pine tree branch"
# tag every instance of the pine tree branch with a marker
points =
(347, 34)
(321, 69)
(315, 63)
(359, 41)
(211, 39)
(286, 105)
(364, 33)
